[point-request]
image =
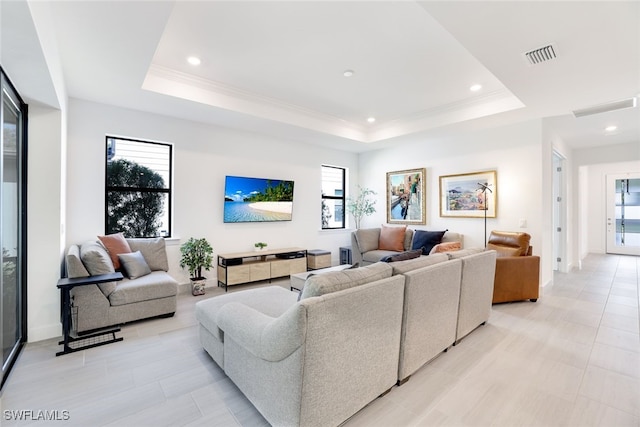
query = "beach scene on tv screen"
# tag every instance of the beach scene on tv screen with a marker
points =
(257, 199)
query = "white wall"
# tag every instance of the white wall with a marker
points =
(514, 151)
(45, 223)
(203, 155)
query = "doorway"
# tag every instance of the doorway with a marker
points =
(623, 214)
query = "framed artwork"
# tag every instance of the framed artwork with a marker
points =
(406, 197)
(469, 195)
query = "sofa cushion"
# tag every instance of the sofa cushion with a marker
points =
(426, 240)
(392, 238)
(367, 239)
(464, 252)
(408, 238)
(402, 256)
(115, 244)
(155, 285)
(153, 250)
(74, 266)
(401, 267)
(134, 265)
(322, 284)
(372, 257)
(271, 300)
(97, 261)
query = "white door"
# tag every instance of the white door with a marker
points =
(623, 214)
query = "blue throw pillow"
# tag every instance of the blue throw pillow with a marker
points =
(426, 240)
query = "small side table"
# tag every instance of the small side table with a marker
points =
(318, 258)
(345, 255)
(94, 340)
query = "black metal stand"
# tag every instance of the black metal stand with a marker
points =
(83, 341)
(483, 189)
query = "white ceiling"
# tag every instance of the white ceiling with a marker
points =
(277, 66)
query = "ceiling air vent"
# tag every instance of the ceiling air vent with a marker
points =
(543, 54)
(604, 108)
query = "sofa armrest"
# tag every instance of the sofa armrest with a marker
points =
(268, 338)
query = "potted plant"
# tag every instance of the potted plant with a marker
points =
(361, 205)
(196, 255)
(260, 246)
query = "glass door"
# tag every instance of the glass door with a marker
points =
(12, 215)
(623, 214)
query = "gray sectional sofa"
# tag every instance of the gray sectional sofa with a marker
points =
(365, 243)
(318, 357)
(151, 291)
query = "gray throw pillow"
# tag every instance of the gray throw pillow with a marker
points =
(153, 250)
(97, 261)
(134, 265)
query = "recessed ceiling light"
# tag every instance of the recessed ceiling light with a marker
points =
(193, 60)
(610, 128)
(371, 119)
(475, 88)
(348, 73)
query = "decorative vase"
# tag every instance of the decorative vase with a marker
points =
(198, 286)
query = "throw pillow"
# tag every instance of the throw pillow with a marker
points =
(402, 256)
(97, 261)
(426, 240)
(115, 244)
(134, 265)
(153, 250)
(447, 247)
(392, 238)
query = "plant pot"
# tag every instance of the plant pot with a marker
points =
(198, 286)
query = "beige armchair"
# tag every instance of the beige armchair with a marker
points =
(517, 275)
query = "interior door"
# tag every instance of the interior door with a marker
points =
(623, 214)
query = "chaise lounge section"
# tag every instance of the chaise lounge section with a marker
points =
(314, 361)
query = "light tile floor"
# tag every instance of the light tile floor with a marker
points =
(570, 359)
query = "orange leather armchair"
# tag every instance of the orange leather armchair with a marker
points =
(517, 270)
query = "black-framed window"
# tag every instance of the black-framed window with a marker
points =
(333, 197)
(138, 187)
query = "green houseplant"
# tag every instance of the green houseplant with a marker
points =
(361, 205)
(196, 254)
(260, 246)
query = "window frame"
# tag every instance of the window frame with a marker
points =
(168, 190)
(342, 198)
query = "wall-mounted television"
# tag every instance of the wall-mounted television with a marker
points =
(249, 199)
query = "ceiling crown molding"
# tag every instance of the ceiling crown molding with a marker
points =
(187, 86)
(182, 85)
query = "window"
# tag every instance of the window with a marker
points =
(333, 197)
(138, 188)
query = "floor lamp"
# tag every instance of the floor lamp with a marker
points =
(483, 189)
